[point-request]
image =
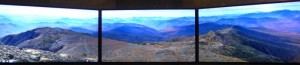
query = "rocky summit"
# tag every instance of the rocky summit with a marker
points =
(49, 44)
(169, 51)
(12, 54)
(237, 44)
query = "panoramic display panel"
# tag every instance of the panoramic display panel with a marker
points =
(43, 34)
(253, 33)
(148, 35)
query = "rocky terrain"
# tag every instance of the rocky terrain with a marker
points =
(209, 56)
(236, 44)
(170, 51)
(56, 40)
(12, 54)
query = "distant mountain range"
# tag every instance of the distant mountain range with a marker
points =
(179, 31)
(154, 22)
(56, 40)
(206, 27)
(270, 20)
(82, 30)
(291, 14)
(9, 25)
(133, 33)
(136, 33)
(274, 14)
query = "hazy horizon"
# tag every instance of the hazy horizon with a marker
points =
(147, 13)
(16, 19)
(239, 10)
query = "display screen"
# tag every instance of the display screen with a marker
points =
(43, 34)
(252, 33)
(148, 35)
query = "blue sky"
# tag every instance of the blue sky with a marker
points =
(26, 18)
(147, 13)
(249, 9)
(30, 14)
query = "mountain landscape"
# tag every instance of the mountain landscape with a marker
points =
(148, 38)
(56, 41)
(48, 35)
(253, 37)
(171, 44)
(142, 33)
(75, 42)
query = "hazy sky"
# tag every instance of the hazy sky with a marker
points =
(146, 13)
(30, 11)
(249, 9)
(26, 18)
